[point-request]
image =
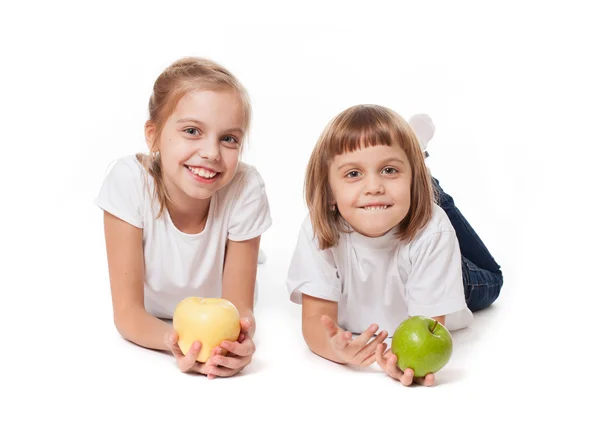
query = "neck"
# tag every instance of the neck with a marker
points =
(383, 241)
(187, 214)
(189, 219)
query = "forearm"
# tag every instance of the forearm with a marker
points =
(143, 329)
(316, 339)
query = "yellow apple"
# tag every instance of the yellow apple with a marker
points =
(208, 320)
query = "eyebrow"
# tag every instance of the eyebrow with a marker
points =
(387, 160)
(200, 123)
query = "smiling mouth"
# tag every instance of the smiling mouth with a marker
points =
(202, 172)
(375, 207)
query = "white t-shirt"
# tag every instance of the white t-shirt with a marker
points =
(382, 280)
(178, 265)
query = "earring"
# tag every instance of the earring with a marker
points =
(333, 207)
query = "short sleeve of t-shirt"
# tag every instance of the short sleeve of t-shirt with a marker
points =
(312, 271)
(121, 193)
(434, 286)
(251, 215)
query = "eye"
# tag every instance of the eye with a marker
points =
(230, 139)
(192, 131)
(389, 170)
(352, 174)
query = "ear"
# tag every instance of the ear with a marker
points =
(331, 203)
(150, 133)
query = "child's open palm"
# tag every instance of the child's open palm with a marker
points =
(358, 351)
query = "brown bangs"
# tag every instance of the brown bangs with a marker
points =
(363, 126)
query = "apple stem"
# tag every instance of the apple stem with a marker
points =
(434, 325)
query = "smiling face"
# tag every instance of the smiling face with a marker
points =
(371, 187)
(200, 144)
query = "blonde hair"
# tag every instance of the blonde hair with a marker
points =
(357, 127)
(180, 78)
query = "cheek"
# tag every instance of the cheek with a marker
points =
(403, 194)
(336, 192)
(230, 158)
(346, 196)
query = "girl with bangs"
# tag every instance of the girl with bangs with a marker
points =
(382, 242)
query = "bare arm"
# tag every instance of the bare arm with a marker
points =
(126, 273)
(315, 336)
(239, 277)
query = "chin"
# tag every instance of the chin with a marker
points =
(372, 230)
(377, 232)
(197, 193)
(200, 194)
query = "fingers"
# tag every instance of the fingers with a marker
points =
(342, 340)
(236, 363)
(368, 350)
(243, 349)
(364, 338)
(246, 325)
(171, 339)
(219, 371)
(185, 362)
(379, 356)
(188, 361)
(337, 336)
(220, 365)
(391, 368)
(407, 377)
(218, 351)
(426, 381)
(372, 358)
(200, 368)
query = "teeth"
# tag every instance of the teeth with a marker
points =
(202, 172)
(375, 208)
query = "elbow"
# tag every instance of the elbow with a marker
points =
(306, 335)
(124, 322)
(312, 342)
(122, 328)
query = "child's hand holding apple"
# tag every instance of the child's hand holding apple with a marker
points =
(388, 361)
(420, 347)
(186, 362)
(210, 338)
(230, 357)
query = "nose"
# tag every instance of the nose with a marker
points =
(210, 149)
(374, 184)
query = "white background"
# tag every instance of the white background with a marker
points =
(513, 90)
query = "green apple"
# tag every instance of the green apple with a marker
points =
(422, 344)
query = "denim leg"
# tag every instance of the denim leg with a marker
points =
(471, 246)
(482, 278)
(482, 287)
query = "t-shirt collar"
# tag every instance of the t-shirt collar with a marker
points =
(387, 240)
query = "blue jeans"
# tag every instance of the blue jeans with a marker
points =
(482, 278)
